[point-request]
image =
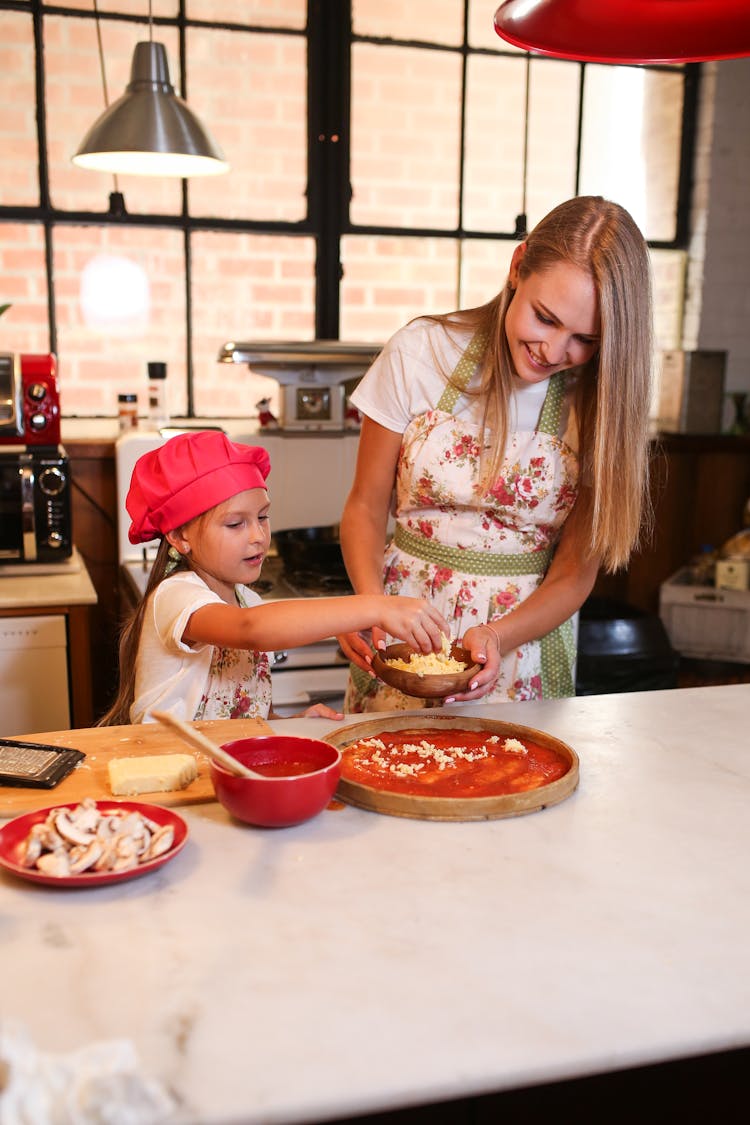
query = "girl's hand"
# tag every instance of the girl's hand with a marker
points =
(320, 711)
(413, 620)
(483, 645)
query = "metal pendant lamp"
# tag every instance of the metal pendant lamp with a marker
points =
(149, 131)
(628, 31)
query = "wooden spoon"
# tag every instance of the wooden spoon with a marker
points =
(200, 742)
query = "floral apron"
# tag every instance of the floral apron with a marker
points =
(474, 555)
(238, 684)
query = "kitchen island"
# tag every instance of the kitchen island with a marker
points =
(361, 963)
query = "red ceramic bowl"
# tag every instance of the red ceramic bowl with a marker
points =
(301, 777)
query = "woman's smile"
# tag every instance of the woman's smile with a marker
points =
(552, 321)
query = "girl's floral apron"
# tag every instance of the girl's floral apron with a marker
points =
(477, 556)
(239, 683)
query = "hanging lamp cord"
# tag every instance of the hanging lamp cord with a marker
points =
(521, 220)
(116, 200)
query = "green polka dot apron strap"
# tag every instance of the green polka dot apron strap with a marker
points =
(549, 419)
(463, 371)
(558, 652)
(488, 563)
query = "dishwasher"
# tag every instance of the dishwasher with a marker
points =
(34, 684)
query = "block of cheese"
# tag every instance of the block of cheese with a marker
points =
(155, 773)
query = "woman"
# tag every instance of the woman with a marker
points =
(513, 439)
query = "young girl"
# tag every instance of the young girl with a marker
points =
(197, 643)
(515, 436)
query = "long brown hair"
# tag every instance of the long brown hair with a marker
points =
(612, 391)
(119, 712)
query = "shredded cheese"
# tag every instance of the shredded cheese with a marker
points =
(431, 663)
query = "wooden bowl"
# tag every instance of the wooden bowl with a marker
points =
(436, 686)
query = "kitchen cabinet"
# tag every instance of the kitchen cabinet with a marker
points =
(61, 593)
(699, 487)
(587, 962)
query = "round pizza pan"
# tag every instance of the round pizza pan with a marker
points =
(452, 808)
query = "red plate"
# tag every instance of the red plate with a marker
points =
(14, 833)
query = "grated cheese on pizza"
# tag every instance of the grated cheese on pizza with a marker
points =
(450, 762)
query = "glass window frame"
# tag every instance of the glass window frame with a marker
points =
(330, 39)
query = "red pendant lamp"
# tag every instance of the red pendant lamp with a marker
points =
(628, 31)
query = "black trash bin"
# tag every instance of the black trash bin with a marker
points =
(621, 648)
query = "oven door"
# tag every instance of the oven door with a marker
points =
(301, 677)
(16, 509)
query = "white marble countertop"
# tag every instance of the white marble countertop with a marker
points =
(27, 585)
(360, 962)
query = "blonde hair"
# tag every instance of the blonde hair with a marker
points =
(612, 392)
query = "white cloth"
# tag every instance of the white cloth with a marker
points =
(175, 677)
(408, 377)
(99, 1084)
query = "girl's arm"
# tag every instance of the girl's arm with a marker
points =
(289, 624)
(364, 524)
(563, 590)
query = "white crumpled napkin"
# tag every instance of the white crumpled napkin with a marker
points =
(101, 1084)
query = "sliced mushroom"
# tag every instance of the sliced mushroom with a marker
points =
(87, 816)
(69, 830)
(54, 863)
(161, 842)
(32, 849)
(83, 857)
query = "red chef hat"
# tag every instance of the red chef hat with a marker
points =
(186, 476)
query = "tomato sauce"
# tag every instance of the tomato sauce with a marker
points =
(450, 763)
(284, 769)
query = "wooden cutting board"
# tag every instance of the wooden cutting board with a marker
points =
(102, 744)
(451, 808)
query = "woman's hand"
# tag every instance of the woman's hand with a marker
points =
(357, 649)
(483, 645)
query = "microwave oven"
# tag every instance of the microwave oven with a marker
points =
(35, 505)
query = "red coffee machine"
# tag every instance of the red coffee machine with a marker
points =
(29, 400)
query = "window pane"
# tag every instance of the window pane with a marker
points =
(120, 302)
(493, 185)
(493, 167)
(387, 281)
(405, 137)
(246, 287)
(159, 8)
(431, 21)
(75, 99)
(668, 268)
(482, 27)
(262, 13)
(484, 268)
(19, 169)
(253, 89)
(25, 326)
(630, 148)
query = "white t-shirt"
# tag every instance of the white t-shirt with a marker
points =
(408, 378)
(171, 675)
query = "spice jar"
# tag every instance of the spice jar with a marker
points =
(158, 410)
(127, 412)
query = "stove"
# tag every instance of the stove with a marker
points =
(315, 673)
